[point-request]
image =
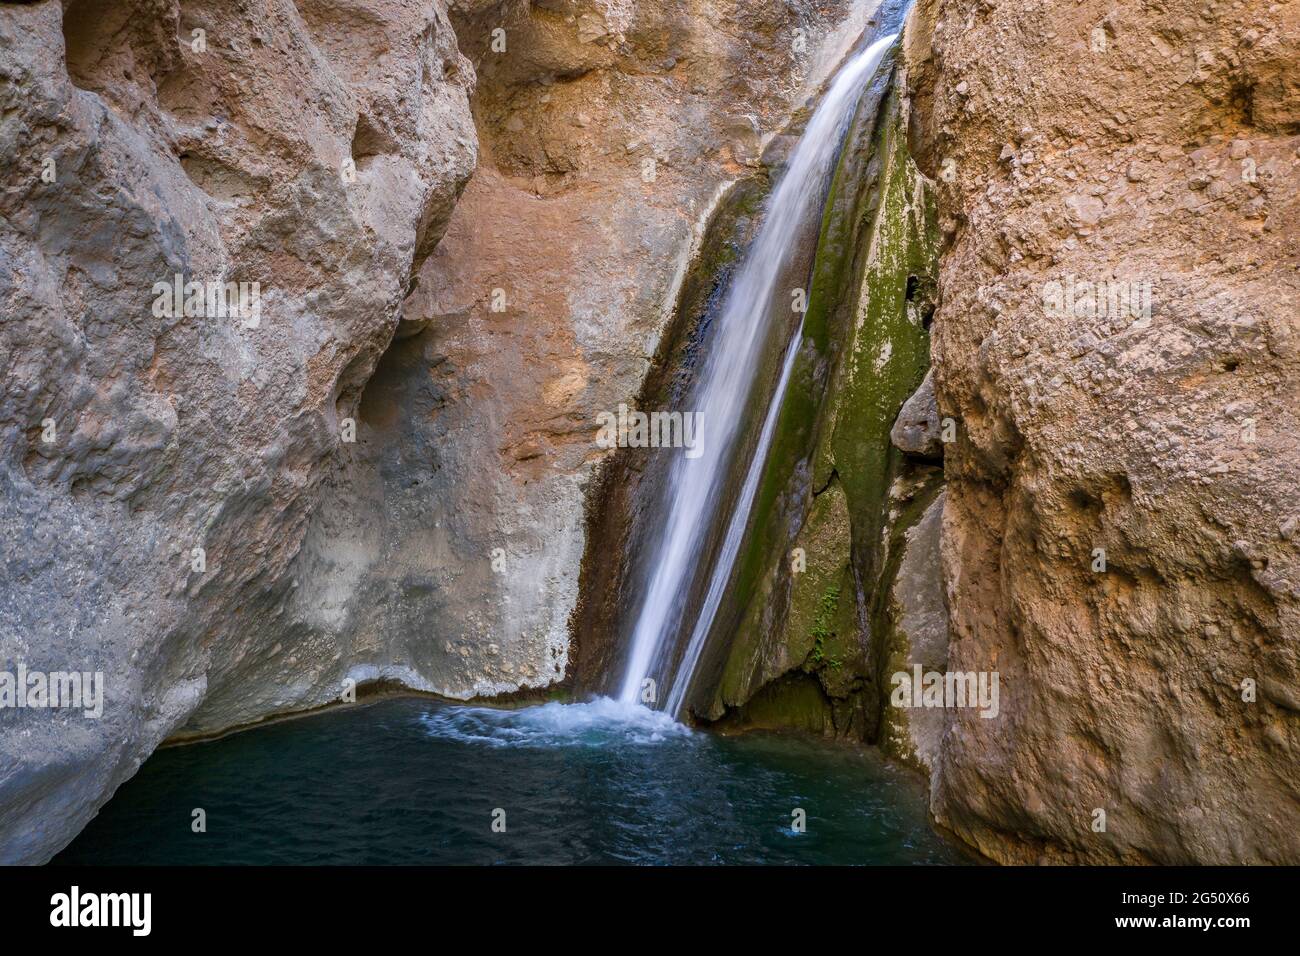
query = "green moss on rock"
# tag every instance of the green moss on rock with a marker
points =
(825, 484)
(793, 702)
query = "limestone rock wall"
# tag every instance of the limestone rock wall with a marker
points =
(1151, 148)
(312, 147)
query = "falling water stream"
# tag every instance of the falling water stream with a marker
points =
(727, 381)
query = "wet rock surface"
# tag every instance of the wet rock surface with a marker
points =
(916, 635)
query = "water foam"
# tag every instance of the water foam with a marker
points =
(595, 723)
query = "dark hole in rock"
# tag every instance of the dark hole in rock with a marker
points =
(90, 29)
(1084, 501)
(1242, 100)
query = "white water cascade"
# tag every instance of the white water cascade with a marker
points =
(727, 378)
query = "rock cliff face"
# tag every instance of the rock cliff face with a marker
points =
(231, 516)
(1119, 533)
(160, 471)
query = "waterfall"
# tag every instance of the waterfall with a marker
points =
(727, 379)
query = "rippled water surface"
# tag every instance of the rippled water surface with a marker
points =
(414, 781)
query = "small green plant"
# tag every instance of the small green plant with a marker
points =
(821, 628)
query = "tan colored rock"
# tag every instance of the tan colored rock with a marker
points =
(1154, 156)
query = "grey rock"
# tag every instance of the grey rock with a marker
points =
(306, 165)
(922, 633)
(916, 431)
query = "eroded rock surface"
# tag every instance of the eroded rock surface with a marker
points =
(1152, 149)
(917, 430)
(917, 636)
(315, 148)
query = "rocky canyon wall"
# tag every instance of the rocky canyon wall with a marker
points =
(1119, 537)
(160, 468)
(469, 229)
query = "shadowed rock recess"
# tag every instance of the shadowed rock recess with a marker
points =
(475, 225)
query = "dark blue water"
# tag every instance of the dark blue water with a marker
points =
(411, 781)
